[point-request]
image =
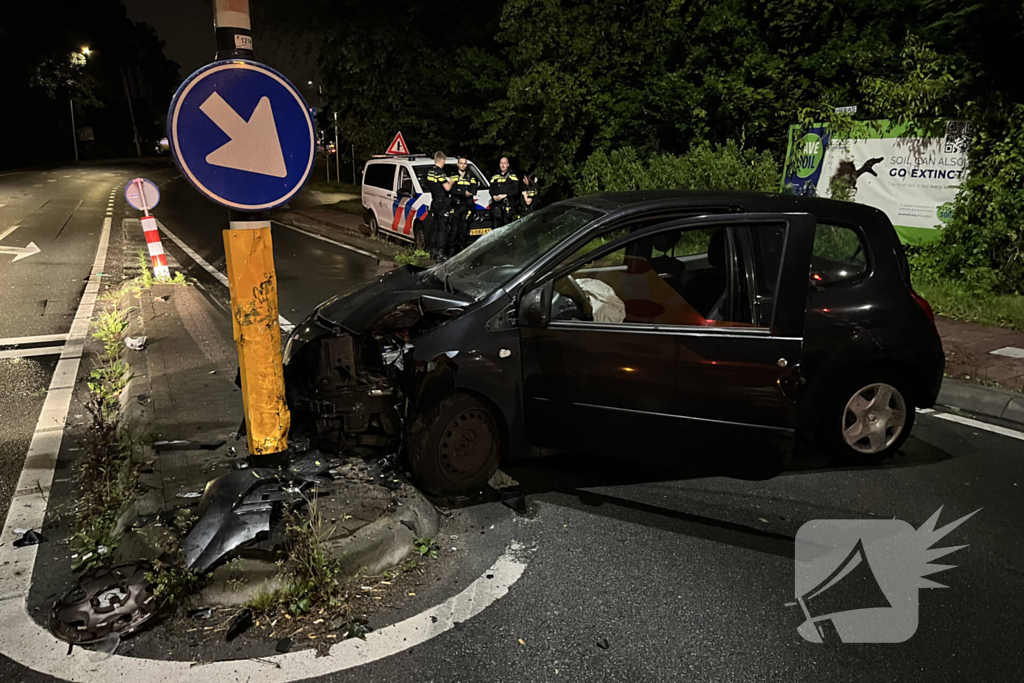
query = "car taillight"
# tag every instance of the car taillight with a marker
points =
(925, 306)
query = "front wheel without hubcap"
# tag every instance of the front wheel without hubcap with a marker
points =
(454, 447)
(874, 422)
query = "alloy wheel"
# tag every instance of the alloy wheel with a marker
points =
(874, 418)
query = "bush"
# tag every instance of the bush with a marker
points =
(704, 167)
(982, 246)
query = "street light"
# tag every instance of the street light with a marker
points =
(86, 50)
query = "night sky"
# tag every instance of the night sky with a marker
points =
(186, 26)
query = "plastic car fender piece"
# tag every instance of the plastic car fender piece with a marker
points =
(226, 518)
(105, 601)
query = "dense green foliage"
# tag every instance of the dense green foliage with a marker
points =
(704, 167)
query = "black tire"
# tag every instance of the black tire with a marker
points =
(879, 437)
(374, 226)
(419, 234)
(454, 447)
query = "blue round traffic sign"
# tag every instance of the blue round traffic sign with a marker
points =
(242, 135)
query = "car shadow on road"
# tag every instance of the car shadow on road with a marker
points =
(569, 479)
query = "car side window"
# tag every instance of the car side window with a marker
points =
(380, 175)
(404, 179)
(695, 277)
(838, 255)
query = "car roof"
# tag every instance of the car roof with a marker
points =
(614, 202)
(413, 160)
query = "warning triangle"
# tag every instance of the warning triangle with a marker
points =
(398, 145)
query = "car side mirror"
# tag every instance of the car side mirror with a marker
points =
(406, 189)
(535, 306)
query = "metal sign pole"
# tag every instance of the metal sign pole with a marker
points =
(337, 151)
(74, 133)
(253, 282)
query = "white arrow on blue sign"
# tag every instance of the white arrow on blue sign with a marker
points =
(242, 135)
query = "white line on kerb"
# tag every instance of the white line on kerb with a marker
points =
(320, 237)
(27, 643)
(38, 339)
(28, 511)
(978, 424)
(25, 353)
(286, 325)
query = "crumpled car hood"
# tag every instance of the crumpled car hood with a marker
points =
(363, 308)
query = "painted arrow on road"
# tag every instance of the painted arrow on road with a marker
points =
(22, 252)
(254, 145)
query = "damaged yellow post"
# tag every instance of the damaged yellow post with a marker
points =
(254, 317)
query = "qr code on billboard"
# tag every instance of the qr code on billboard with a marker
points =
(958, 137)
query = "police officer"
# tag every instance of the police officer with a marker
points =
(438, 220)
(504, 195)
(528, 196)
(464, 187)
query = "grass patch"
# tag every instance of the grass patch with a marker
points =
(353, 206)
(954, 300)
(410, 255)
(334, 187)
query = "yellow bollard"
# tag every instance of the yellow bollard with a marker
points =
(254, 317)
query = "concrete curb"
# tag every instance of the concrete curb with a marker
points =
(384, 543)
(1001, 404)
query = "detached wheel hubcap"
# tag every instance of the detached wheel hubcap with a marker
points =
(874, 418)
(466, 443)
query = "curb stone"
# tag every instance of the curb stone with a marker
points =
(1001, 404)
(384, 543)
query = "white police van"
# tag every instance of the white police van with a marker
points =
(395, 203)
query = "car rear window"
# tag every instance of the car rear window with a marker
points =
(838, 255)
(380, 175)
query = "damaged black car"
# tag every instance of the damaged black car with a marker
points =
(626, 323)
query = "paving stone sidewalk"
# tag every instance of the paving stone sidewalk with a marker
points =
(983, 354)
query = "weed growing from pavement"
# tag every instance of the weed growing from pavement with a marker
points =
(107, 477)
(146, 279)
(107, 482)
(110, 325)
(172, 584)
(426, 546)
(410, 256)
(315, 571)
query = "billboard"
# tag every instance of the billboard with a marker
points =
(911, 174)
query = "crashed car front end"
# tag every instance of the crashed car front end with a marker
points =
(354, 382)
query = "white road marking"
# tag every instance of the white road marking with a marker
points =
(29, 644)
(978, 424)
(38, 339)
(30, 509)
(286, 325)
(1009, 352)
(9, 230)
(320, 237)
(25, 353)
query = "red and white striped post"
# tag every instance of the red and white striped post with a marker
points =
(156, 249)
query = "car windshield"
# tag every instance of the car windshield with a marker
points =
(450, 170)
(500, 255)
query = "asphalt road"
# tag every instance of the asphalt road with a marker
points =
(635, 574)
